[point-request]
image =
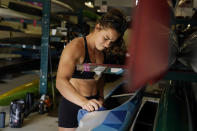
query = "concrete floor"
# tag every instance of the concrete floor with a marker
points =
(34, 122)
(45, 122)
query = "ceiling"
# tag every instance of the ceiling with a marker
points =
(59, 7)
(63, 6)
(61, 10)
(66, 10)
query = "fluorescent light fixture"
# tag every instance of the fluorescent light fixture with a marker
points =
(98, 10)
(136, 2)
(89, 4)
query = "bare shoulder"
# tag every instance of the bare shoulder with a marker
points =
(74, 48)
(75, 43)
(70, 56)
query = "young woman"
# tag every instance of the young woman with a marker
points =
(80, 89)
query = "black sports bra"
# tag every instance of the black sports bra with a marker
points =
(84, 74)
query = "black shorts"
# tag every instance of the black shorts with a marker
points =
(67, 113)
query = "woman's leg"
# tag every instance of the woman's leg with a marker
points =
(67, 115)
(66, 129)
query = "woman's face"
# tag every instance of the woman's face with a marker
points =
(105, 38)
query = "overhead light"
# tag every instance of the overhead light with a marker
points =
(98, 10)
(89, 4)
(136, 2)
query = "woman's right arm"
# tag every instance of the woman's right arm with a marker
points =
(68, 60)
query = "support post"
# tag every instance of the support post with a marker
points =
(45, 45)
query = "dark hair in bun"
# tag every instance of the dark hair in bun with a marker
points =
(114, 19)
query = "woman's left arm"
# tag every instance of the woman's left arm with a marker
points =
(101, 85)
(101, 82)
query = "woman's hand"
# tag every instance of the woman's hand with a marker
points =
(101, 100)
(92, 105)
